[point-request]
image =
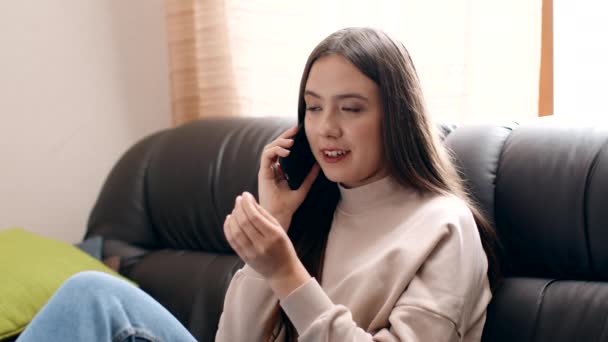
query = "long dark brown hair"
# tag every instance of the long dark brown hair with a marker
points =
(414, 153)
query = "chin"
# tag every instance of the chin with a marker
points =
(336, 177)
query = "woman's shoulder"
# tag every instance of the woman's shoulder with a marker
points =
(433, 221)
(442, 210)
(449, 204)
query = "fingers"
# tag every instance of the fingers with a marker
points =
(310, 179)
(256, 216)
(274, 151)
(249, 198)
(283, 142)
(270, 156)
(277, 171)
(244, 223)
(277, 148)
(245, 226)
(229, 232)
(236, 231)
(290, 132)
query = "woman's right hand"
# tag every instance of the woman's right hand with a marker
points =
(274, 192)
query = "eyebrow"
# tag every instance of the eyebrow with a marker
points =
(337, 97)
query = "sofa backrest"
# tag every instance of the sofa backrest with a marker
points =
(545, 186)
(174, 188)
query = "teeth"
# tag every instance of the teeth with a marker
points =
(334, 153)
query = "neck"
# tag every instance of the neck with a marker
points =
(368, 196)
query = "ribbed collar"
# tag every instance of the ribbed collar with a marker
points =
(369, 196)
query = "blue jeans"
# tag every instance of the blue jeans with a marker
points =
(94, 306)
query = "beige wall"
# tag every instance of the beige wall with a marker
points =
(80, 82)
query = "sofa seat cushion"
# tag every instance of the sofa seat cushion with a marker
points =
(542, 309)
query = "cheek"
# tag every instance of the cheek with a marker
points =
(307, 126)
(311, 130)
(370, 143)
(368, 135)
(309, 135)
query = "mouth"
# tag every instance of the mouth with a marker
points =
(334, 155)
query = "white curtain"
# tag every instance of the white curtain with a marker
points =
(581, 52)
(478, 60)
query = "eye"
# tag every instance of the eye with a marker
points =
(313, 108)
(351, 109)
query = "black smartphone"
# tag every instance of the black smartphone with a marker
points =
(299, 162)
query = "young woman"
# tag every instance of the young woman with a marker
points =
(380, 243)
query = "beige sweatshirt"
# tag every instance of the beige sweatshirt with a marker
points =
(399, 266)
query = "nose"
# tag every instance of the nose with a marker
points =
(330, 126)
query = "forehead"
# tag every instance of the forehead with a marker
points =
(334, 74)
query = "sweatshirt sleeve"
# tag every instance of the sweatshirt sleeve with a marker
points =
(249, 301)
(433, 307)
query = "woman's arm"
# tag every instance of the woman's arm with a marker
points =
(316, 318)
(257, 233)
(446, 298)
(249, 301)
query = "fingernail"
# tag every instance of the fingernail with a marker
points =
(238, 198)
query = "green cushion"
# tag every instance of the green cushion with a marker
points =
(31, 269)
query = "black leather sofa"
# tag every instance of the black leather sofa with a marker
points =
(544, 185)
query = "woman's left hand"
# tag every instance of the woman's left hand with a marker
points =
(258, 238)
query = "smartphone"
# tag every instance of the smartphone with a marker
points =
(299, 162)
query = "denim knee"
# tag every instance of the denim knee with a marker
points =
(86, 281)
(88, 285)
(87, 277)
(98, 306)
